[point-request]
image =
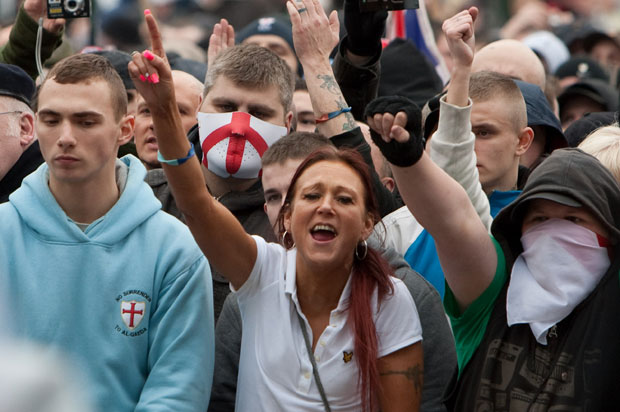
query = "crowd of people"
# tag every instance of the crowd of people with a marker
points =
(306, 216)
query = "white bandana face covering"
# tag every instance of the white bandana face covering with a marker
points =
(561, 264)
(233, 143)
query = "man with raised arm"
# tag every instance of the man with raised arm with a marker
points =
(523, 302)
(246, 106)
(90, 263)
(481, 136)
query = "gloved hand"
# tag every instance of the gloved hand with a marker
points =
(364, 29)
(396, 128)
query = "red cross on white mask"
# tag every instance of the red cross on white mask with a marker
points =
(233, 143)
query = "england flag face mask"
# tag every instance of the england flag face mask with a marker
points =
(233, 143)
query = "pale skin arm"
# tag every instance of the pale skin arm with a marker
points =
(315, 35)
(459, 32)
(401, 374)
(441, 205)
(218, 233)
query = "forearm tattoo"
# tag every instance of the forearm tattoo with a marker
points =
(331, 85)
(413, 374)
(349, 123)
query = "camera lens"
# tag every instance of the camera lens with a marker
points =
(74, 5)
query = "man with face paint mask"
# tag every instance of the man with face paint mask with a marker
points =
(246, 107)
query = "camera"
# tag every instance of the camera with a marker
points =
(374, 5)
(68, 9)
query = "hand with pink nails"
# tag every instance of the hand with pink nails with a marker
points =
(151, 72)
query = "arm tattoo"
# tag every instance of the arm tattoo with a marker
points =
(413, 374)
(350, 120)
(329, 83)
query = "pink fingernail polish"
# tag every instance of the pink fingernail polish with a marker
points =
(147, 12)
(142, 78)
(149, 56)
(154, 78)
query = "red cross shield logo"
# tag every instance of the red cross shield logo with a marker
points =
(132, 313)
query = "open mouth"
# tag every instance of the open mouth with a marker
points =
(323, 233)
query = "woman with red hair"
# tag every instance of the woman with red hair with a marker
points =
(325, 325)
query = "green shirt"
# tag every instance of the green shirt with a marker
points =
(469, 327)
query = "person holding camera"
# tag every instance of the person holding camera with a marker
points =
(21, 47)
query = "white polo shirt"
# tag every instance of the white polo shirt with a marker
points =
(275, 373)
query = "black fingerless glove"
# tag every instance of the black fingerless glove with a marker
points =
(399, 154)
(364, 29)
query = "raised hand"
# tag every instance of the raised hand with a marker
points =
(314, 34)
(151, 72)
(37, 9)
(396, 128)
(223, 37)
(459, 32)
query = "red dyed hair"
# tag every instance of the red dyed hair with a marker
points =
(369, 274)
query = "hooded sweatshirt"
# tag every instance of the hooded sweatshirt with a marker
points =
(504, 367)
(128, 299)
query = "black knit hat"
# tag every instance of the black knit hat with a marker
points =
(581, 128)
(270, 25)
(595, 89)
(407, 72)
(16, 83)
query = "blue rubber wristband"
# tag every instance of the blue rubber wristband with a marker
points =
(177, 162)
(331, 115)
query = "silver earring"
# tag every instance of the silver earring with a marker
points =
(357, 253)
(283, 240)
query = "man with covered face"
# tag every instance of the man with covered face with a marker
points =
(534, 307)
(246, 107)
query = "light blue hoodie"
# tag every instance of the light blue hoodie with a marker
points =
(68, 288)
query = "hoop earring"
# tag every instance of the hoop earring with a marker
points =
(357, 253)
(283, 240)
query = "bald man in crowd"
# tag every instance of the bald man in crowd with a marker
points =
(512, 58)
(188, 92)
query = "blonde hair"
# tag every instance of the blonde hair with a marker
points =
(604, 144)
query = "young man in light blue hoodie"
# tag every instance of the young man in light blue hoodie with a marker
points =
(90, 263)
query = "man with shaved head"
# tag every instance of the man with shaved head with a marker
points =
(188, 91)
(512, 58)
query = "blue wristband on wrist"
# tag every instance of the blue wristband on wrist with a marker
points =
(177, 162)
(331, 115)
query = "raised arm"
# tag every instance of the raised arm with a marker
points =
(315, 36)
(452, 145)
(436, 200)
(218, 233)
(356, 63)
(223, 37)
